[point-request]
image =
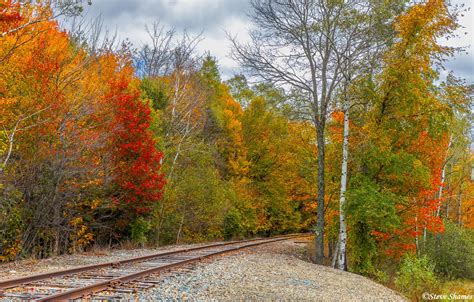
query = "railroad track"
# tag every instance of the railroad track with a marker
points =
(111, 280)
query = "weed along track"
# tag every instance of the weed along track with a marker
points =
(110, 280)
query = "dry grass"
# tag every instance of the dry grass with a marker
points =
(311, 249)
(98, 251)
(460, 287)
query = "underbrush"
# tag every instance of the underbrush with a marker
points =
(443, 266)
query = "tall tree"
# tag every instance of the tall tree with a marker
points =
(302, 45)
(365, 33)
(407, 129)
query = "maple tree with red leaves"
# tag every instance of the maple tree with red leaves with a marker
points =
(137, 160)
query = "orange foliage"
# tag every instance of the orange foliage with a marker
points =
(64, 107)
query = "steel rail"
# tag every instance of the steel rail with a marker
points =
(44, 276)
(86, 291)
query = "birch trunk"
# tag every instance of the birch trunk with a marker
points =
(460, 206)
(341, 262)
(443, 176)
(440, 190)
(180, 229)
(424, 236)
(417, 244)
(334, 258)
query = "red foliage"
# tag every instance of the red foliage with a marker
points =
(137, 160)
(421, 213)
(9, 12)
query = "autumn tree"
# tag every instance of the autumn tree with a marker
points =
(302, 45)
(137, 160)
(393, 196)
(61, 160)
(366, 31)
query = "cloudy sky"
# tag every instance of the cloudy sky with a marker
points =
(214, 17)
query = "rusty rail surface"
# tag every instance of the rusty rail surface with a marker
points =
(19, 281)
(86, 291)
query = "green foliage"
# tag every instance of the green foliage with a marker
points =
(245, 94)
(154, 90)
(11, 224)
(248, 212)
(196, 198)
(233, 225)
(210, 73)
(266, 136)
(452, 252)
(240, 90)
(274, 97)
(370, 209)
(139, 229)
(364, 249)
(283, 216)
(371, 204)
(380, 276)
(415, 277)
(211, 83)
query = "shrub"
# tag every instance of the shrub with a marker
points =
(138, 230)
(452, 252)
(370, 208)
(11, 225)
(232, 224)
(415, 277)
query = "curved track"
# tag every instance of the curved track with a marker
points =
(107, 281)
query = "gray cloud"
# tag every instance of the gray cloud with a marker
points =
(212, 18)
(193, 15)
(209, 17)
(463, 66)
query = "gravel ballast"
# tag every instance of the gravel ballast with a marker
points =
(273, 272)
(28, 267)
(276, 271)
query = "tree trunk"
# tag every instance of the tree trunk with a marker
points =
(460, 205)
(443, 175)
(180, 229)
(10, 138)
(334, 257)
(424, 236)
(330, 247)
(160, 223)
(440, 190)
(341, 263)
(449, 189)
(417, 244)
(56, 250)
(321, 186)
